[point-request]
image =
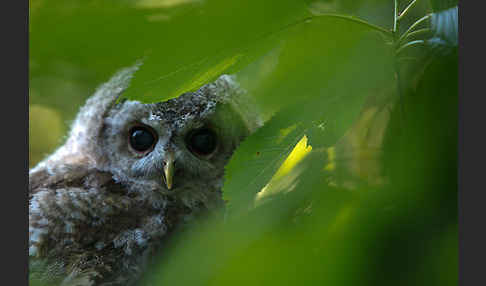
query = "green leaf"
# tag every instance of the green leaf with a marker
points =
(439, 5)
(326, 68)
(316, 234)
(258, 158)
(184, 43)
(215, 37)
(372, 11)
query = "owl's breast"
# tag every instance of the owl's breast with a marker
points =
(85, 222)
(89, 223)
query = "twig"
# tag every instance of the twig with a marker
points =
(356, 20)
(404, 12)
(418, 22)
(395, 17)
(414, 33)
(410, 44)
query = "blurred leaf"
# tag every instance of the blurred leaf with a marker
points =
(421, 140)
(319, 86)
(236, 239)
(439, 5)
(440, 263)
(258, 158)
(356, 157)
(420, 160)
(373, 11)
(45, 132)
(205, 42)
(313, 235)
(173, 36)
(369, 238)
(77, 45)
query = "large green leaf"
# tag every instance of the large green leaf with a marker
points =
(373, 11)
(315, 234)
(184, 44)
(326, 68)
(214, 38)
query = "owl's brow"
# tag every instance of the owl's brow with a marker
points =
(187, 106)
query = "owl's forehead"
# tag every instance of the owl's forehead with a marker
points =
(189, 106)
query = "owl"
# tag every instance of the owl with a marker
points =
(128, 176)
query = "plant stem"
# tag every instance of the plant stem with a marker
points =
(404, 12)
(356, 20)
(418, 22)
(395, 32)
(410, 44)
(414, 33)
(407, 59)
(395, 17)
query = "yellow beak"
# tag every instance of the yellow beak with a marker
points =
(169, 170)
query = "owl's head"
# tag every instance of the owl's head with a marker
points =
(180, 144)
(174, 146)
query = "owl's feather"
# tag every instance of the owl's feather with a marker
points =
(98, 211)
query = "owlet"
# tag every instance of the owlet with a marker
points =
(128, 176)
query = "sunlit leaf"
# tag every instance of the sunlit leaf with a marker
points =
(178, 40)
(212, 38)
(320, 91)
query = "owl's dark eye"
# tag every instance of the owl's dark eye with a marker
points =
(202, 142)
(141, 138)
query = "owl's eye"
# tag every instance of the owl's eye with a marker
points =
(141, 138)
(202, 142)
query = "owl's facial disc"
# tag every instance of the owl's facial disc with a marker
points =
(201, 142)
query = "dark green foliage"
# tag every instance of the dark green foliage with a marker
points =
(438, 5)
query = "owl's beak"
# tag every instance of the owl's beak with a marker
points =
(169, 170)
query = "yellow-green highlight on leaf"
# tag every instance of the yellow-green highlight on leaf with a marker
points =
(342, 217)
(360, 149)
(284, 132)
(300, 151)
(331, 165)
(155, 4)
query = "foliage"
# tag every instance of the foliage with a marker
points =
(366, 93)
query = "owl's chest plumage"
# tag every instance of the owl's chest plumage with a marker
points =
(82, 221)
